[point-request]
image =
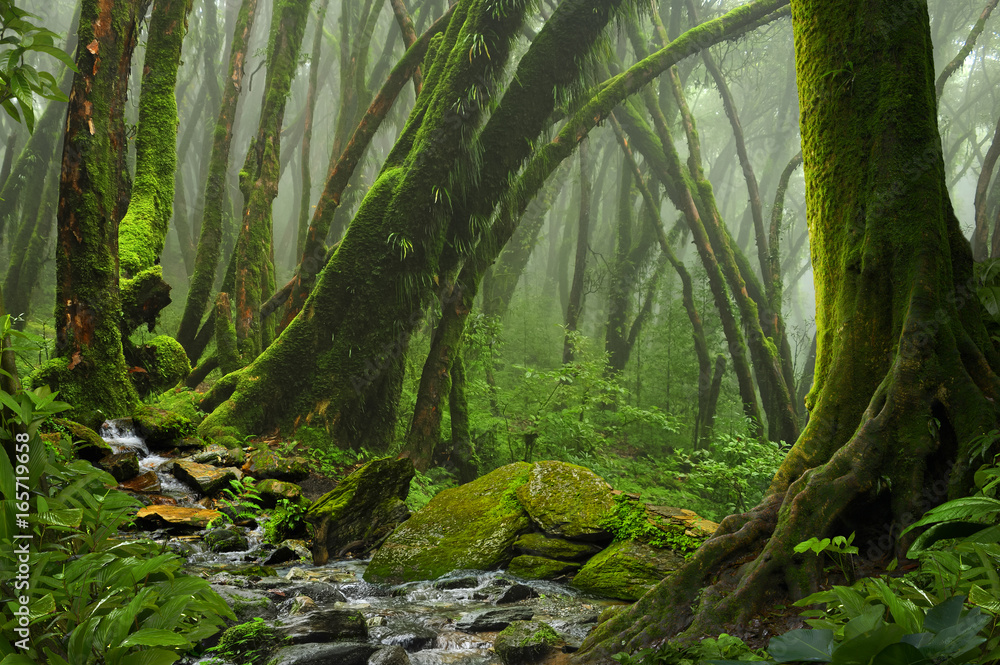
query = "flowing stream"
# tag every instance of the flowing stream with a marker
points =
(429, 619)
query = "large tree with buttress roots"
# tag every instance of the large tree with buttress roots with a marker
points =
(905, 378)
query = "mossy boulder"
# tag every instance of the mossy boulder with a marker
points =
(87, 443)
(364, 508)
(538, 544)
(524, 642)
(218, 455)
(325, 625)
(160, 428)
(226, 540)
(203, 477)
(158, 517)
(539, 568)
(272, 491)
(264, 463)
(568, 501)
(123, 466)
(182, 401)
(473, 526)
(164, 363)
(626, 570)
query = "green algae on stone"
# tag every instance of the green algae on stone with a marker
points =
(87, 444)
(473, 526)
(159, 427)
(183, 402)
(364, 507)
(525, 642)
(567, 501)
(540, 568)
(538, 544)
(626, 570)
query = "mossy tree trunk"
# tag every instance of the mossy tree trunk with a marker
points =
(216, 196)
(905, 372)
(575, 304)
(259, 180)
(142, 232)
(90, 370)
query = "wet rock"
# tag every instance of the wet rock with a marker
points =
(226, 540)
(287, 551)
(364, 508)
(487, 620)
(271, 491)
(87, 443)
(473, 526)
(183, 548)
(463, 582)
(538, 544)
(540, 568)
(302, 605)
(626, 570)
(202, 477)
(326, 625)
(321, 592)
(567, 501)
(265, 463)
(409, 635)
(146, 482)
(390, 655)
(516, 593)
(217, 455)
(159, 428)
(246, 603)
(123, 466)
(524, 642)
(341, 653)
(159, 516)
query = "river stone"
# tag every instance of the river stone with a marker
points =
(524, 642)
(539, 568)
(287, 551)
(218, 455)
(147, 482)
(247, 604)
(341, 653)
(271, 491)
(203, 477)
(538, 544)
(159, 428)
(266, 463)
(567, 501)
(157, 517)
(471, 526)
(410, 635)
(361, 510)
(123, 466)
(87, 443)
(460, 582)
(516, 593)
(626, 570)
(487, 620)
(321, 592)
(226, 540)
(326, 625)
(390, 655)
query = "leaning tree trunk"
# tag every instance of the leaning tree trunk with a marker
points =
(259, 181)
(216, 197)
(901, 341)
(143, 230)
(575, 305)
(90, 370)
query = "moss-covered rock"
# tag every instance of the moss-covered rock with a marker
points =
(567, 501)
(203, 477)
(524, 642)
(626, 570)
(472, 526)
(538, 544)
(271, 491)
(218, 455)
(157, 517)
(123, 466)
(226, 540)
(539, 568)
(264, 463)
(164, 362)
(183, 402)
(160, 428)
(87, 443)
(362, 509)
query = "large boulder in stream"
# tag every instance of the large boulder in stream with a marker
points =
(364, 508)
(524, 642)
(203, 477)
(87, 443)
(568, 501)
(473, 526)
(626, 570)
(123, 466)
(158, 517)
(160, 428)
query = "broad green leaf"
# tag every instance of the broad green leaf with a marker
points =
(815, 646)
(901, 654)
(865, 622)
(154, 637)
(861, 649)
(944, 615)
(150, 657)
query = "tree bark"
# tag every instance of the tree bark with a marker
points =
(963, 53)
(980, 235)
(216, 194)
(901, 341)
(575, 305)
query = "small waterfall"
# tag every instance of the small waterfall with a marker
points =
(122, 438)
